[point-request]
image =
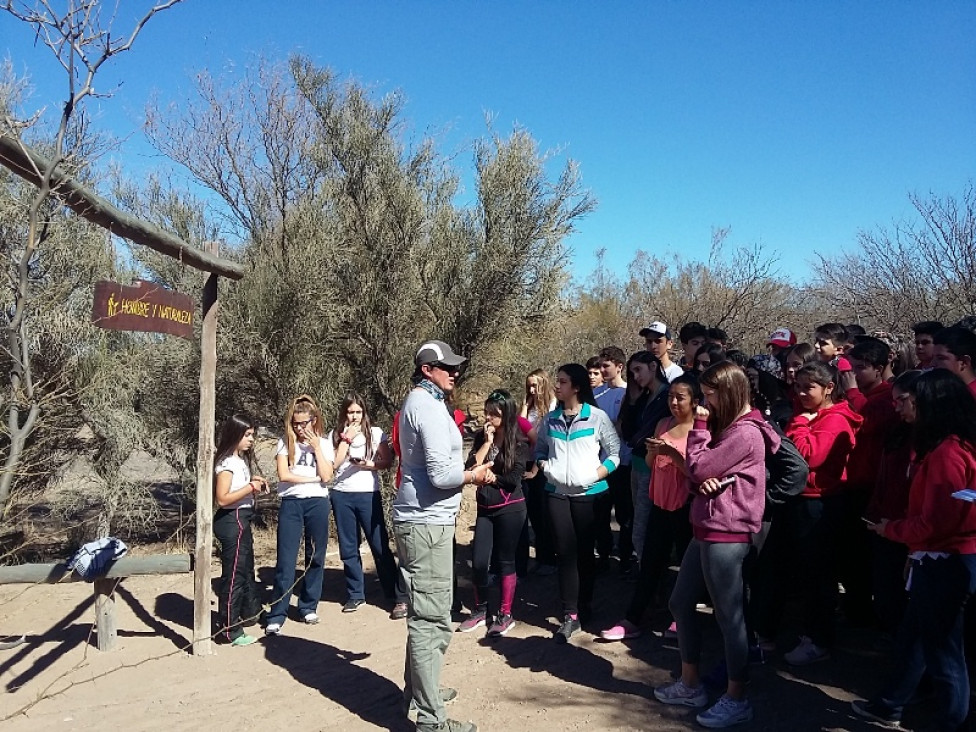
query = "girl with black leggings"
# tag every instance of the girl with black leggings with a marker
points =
(501, 511)
(568, 451)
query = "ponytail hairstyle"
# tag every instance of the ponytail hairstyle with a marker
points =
(822, 374)
(580, 379)
(944, 407)
(502, 403)
(351, 398)
(232, 431)
(303, 404)
(732, 394)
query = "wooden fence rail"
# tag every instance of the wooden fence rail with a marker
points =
(104, 586)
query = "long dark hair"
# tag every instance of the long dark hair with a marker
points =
(350, 399)
(501, 402)
(232, 431)
(580, 380)
(944, 407)
(649, 359)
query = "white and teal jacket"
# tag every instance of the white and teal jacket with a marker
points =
(571, 451)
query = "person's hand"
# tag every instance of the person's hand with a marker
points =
(710, 487)
(701, 413)
(653, 445)
(847, 381)
(878, 528)
(489, 431)
(260, 484)
(482, 475)
(352, 431)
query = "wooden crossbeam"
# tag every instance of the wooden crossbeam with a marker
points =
(30, 166)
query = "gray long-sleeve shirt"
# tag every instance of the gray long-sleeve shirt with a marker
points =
(431, 462)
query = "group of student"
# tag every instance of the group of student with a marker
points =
(831, 461)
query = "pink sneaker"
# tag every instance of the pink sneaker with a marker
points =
(621, 631)
(672, 631)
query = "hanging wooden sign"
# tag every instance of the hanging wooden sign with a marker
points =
(145, 307)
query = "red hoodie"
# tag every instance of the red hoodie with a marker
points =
(879, 419)
(825, 442)
(936, 521)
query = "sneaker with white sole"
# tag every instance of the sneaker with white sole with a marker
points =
(273, 629)
(621, 631)
(503, 623)
(680, 694)
(726, 712)
(477, 619)
(805, 653)
(310, 619)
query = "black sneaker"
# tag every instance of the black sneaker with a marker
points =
(566, 631)
(352, 606)
(877, 711)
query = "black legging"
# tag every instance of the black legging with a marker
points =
(535, 503)
(573, 522)
(495, 533)
(665, 529)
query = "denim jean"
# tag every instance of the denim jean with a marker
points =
(355, 511)
(640, 482)
(298, 516)
(931, 637)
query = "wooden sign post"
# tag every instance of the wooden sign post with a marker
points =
(205, 458)
(167, 316)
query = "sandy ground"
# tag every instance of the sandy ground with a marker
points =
(346, 672)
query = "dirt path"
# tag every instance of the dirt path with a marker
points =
(345, 673)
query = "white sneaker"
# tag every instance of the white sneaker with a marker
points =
(310, 619)
(805, 653)
(273, 629)
(725, 713)
(678, 693)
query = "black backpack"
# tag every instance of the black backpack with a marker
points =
(786, 471)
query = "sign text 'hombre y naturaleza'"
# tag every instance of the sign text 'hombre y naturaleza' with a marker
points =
(144, 306)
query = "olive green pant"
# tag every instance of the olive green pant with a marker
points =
(427, 566)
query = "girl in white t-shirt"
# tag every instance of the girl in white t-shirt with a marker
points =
(304, 471)
(359, 450)
(235, 488)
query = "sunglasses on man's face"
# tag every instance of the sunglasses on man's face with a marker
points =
(445, 368)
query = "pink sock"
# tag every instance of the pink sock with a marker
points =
(574, 616)
(508, 593)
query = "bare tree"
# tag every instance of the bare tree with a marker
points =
(922, 269)
(81, 40)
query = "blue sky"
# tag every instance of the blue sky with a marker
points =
(795, 124)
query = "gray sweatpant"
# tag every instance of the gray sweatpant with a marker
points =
(717, 568)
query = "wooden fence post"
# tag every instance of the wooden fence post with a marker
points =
(205, 455)
(105, 613)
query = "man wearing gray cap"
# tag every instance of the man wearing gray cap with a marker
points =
(424, 512)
